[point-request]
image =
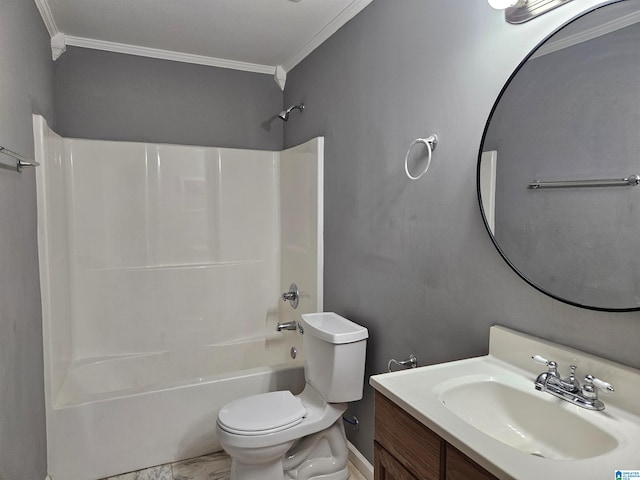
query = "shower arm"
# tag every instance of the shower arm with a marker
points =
(284, 114)
(299, 107)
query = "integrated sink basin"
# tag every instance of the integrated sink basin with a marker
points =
(489, 409)
(525, 420)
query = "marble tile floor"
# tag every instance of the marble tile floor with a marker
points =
(214, 466)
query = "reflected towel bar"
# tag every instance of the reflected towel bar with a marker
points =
(21, 162)
(630, 181)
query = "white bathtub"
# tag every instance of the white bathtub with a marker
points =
(124, 414)
(103, 378)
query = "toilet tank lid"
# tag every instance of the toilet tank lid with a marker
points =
(333, 328)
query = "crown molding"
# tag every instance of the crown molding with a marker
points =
(59, 41)
(58, 45)
(47, 17)
(332, 27)
(168, 55)
(280, 76)
(589, 34)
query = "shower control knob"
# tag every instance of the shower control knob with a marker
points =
(292, 295)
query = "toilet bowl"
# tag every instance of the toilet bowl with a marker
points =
(279, 436)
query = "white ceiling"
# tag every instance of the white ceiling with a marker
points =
(251, 35)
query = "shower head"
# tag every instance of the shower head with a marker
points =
(284, 115)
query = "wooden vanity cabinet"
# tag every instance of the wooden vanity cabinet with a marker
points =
(405, 449)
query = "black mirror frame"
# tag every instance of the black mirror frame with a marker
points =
(484, 217)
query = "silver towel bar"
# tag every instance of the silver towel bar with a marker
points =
(21, 161)
(630, 181)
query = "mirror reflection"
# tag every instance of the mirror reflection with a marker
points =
(571, 112)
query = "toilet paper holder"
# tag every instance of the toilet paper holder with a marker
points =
(411, 362)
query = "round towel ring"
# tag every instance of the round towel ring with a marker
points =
(430, 142)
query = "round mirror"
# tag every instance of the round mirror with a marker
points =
(559, 159)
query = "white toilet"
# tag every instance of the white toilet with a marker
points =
(279, 436)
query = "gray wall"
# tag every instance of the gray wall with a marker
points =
(112, 96)
(412, 261)
(26, 85)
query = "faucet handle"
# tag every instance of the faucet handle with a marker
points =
(540, 359)
(553, 366)
(293, 295)
(601, 384)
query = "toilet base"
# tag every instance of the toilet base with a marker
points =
(263, 463)
(321, 456)
(340, 475)
(271, 471)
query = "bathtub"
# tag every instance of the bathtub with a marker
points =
(122, 414)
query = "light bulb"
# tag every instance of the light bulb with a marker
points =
(502, 4)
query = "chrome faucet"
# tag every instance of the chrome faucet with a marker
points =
(287, 326)
(569, 389)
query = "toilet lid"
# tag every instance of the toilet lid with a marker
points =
(262, 414)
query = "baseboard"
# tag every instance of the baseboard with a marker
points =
(360, 462)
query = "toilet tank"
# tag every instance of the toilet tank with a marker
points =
(335, 350)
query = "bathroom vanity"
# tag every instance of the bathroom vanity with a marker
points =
(405, 449)
(499, 416)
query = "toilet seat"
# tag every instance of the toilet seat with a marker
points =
(262, 414)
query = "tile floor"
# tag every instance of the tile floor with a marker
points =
(215, 466)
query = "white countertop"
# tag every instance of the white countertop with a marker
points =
(418, 392)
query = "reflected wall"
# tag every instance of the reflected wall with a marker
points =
(569, 115)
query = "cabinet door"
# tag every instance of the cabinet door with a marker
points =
(387, 467)
(461, 467)
(408, 441)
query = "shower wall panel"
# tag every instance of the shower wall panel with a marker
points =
(301, 232)
(53, 251)
(166, 255)
(172, 246)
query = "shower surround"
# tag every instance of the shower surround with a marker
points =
(161, 272)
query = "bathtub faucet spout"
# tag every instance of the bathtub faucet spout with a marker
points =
(287, 326)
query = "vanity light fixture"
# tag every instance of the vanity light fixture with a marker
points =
(503, 4)
(520, 11)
